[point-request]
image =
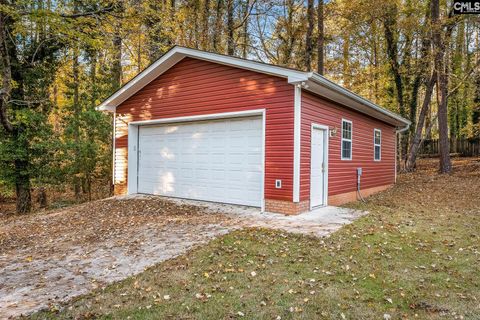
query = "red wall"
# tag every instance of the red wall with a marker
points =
(342, 173)
(195, 87)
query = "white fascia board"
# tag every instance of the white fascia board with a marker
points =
(142, 79)
(310, 81)
(241, 63)
(176, 54)
(299, 79)
(369, 107)
(103, 107)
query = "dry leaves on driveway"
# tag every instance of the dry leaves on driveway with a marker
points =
(47, 258)
(97, 221)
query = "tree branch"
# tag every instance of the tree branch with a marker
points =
(469, 73)
(247, 15)
(88, 14)
(75, 15)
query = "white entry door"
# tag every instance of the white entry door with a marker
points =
(318, 168)
(212, 160)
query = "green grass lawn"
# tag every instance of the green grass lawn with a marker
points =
(416, 255)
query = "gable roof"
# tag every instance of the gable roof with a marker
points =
(310, 81)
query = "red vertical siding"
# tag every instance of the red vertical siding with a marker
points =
(342, 173)
(196, 87)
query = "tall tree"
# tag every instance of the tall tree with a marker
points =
(117, 74)
(230, 27)
(321, 38)
(309, 35)
(205, 25)
(218, 25)
(23, 106)
(442, 81)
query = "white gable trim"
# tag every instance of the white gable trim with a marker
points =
(311, 81)
(174, 55)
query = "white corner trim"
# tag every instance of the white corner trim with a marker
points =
(264, 131)
(132, 157)
(396, 134)
(297, 123)
(114, 147)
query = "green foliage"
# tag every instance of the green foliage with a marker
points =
(63, 139)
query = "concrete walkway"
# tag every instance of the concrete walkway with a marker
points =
(319, 222)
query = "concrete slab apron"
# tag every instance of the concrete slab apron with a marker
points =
(319, 222)
(27, 286)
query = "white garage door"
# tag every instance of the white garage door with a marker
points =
(215, 160)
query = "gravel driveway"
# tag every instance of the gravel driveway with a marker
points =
(49, 258)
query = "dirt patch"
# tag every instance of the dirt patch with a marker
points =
(425, 188)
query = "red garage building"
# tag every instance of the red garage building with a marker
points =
(210, 127)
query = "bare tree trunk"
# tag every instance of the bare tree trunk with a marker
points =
(476, 111)
(321, 38)
(117, 47)
(288, 40)
(76, 114)
(346, 61)
(309, 35)
(230, 27)
(390, 24)
(42, 198)
(415, 144)
(218, 25)
(76, 123)
(417, 82)
(22, 187)
(93, 78)
(442, 80)
(245, 36)
(93, 103)
(416, 128)
(139, 51)
(206, 18)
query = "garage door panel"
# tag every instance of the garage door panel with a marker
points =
(217, 160)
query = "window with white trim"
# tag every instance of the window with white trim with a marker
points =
(346, 140)
(377, 144)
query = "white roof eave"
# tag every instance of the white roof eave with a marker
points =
(315, 82)
(325, 87)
